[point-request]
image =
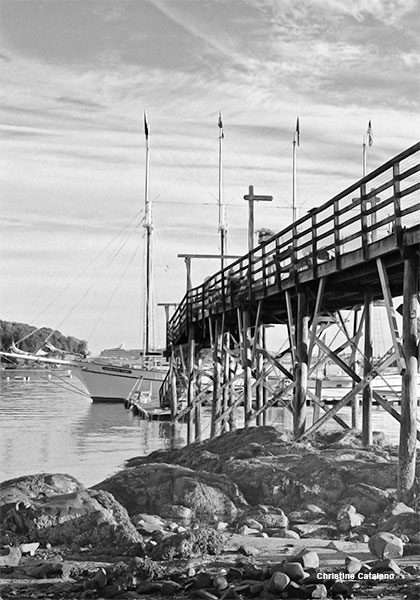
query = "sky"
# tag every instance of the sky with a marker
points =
(76, 78)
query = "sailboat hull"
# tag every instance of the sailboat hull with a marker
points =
(111, 383)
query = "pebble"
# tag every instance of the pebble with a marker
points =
(385, 566)
(386, 545)
(278, 582)
(10, 556)
(353, 565)
(309, 559)
(294, 570)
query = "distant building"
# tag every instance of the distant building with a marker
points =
(127, 355)
(121, 353)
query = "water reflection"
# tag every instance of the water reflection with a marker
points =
(45, 428)
(50, 429)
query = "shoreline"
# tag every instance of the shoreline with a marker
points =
(251, 496)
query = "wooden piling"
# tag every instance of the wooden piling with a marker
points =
(355, 404)
(191, 384)
(231, 397)
(302, 345)
(246, 365)
(174, 397)
(217, 377)
(408, 429)
(367, 367)
(197, 416)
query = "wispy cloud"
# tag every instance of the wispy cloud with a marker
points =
(77, 76)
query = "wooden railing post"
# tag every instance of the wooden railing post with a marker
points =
(364, 221)
(314, 244)
(397, 203)
(337, 243)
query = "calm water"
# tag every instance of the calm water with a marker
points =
(47, 427)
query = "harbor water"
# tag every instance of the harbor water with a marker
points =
(49, 425)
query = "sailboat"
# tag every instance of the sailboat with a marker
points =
(103, 380)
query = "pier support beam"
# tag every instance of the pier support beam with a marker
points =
(246, 365)
(217, 377)
(367, 367)
(197, 415)
(261, 389)
(408, 429)
(191, 384)
(355, 404)
(302, 346)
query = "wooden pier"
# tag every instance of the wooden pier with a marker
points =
(360, 247)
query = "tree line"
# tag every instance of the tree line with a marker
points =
(11, 332)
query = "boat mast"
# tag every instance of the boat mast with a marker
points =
(295, 143)
(148, 226)
(367, 139)
(222, 208)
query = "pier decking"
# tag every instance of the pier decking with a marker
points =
(360, 247)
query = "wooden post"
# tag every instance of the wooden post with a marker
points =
(188, 265)
(191, 383)
(217, 377)
(261, 376)
(318, 394)
(408, 429)
(174, 398)
(355, 405)
(367, 367)
(226, 388)
(302, 343)
(231, 397)
(197, 419)
(246, 365)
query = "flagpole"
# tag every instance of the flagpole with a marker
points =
(364, 165)
(222, 209)
(148, 227)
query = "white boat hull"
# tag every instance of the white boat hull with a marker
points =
(112, 383)
(106, 382)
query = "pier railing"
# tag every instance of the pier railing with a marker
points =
(347, 229)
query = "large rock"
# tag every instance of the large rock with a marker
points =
(154, 487)
(31, 487)
(82, 517)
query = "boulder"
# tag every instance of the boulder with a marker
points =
(152, 487)
(31, 487)
(82, 517)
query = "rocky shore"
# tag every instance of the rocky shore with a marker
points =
(250, 514)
